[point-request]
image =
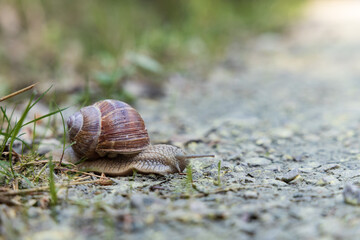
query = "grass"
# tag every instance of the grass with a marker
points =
(189, 177)
(132, 180)
(52, 187)
(218, 180)
(11, 131)
(64, 132)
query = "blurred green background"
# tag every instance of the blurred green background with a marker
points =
(93, 48)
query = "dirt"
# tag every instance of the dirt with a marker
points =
(281, 115)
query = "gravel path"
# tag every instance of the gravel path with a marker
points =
(280, 113)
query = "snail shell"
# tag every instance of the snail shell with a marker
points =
(108, 127)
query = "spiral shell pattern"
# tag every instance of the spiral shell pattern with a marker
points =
(108, 127)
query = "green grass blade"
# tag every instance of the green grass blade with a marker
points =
(3, 110)
(25, 179)
(52, 186)
(64, 135)
(15, 132)
(33, 137)
(8, 130)
(40, 97)
(5, 169)
(45, 116)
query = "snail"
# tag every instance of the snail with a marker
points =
(110, 137)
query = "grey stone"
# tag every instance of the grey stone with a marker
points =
(351, 194)
(328, 180)
(274, 182)
(329, 167)
(282, 133)
(142, 201)
(49, 145)
(289, 176)
(257, 161)
(251, 195)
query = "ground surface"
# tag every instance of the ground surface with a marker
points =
(281, 113)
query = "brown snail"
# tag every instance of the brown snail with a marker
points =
(110, 137)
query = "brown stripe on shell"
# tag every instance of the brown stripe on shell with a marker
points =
(106, 106)
(122, 128)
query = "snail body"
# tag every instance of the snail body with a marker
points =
(110, 137)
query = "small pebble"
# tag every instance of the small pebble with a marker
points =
(238, 169)
(351, 194)
(282, 133)
(350, 173)
(312, 138)
(237, 156)
(274, 182)
(257, 161)
(328, 180)
(263, 141)
(301, 157)
(291, 175)
(142, 201)
(227, 165)
(251, 195)
(297, 180)
(199, 207)
(256, 173)
(49, 145)
(329, 167)
(288, 157)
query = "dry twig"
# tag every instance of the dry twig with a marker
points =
(17, 92)
(9, 202)
(44, 161)
(46, 188)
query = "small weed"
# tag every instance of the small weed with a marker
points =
(53, 191)
(132, 180)
(134, 175)
(64, 135)
(34, 136)
(189, 177)
(218, 181)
